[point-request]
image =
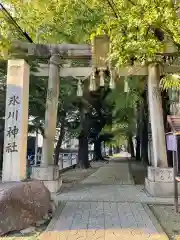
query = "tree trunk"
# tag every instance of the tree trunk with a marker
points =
(144, 130)
(83, 151)
(83, 160)
(165, 107)
(138, 148)
(110, 151)
(1, 154)
(58, 145)
(97, 155)
(144, 144)
(166, 112)
(138, 142)
(117, 149)
(131, 146)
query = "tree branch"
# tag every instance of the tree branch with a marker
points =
(112, 7)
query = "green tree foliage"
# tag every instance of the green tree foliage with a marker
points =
(136, 28)
(124, 107)
(170, 81)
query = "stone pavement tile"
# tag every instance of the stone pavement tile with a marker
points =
(81, 217)
(142, 219)
(77, 235)
(126, 215)
(96, 216)
(111, 216)
(96, 222)
(127, 234)
(159, 236)
(65, 220)
(132, 234)
(95, 234)
(53, 235)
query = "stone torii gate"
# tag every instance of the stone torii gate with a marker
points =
(14, 164)
(16, 119)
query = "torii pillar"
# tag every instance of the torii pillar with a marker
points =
(159, 181)
(48, 172)
(156, 117)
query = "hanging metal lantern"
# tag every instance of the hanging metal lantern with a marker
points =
(79, 88)
(92, 85)
(101, 75)
(112, 81)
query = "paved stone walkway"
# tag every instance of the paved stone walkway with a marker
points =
(95, 211)
(110, 175)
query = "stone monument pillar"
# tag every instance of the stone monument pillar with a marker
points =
(16, 121)
(159, 181)
(48, 172)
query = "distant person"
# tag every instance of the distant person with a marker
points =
(107, 151)
(123, 148)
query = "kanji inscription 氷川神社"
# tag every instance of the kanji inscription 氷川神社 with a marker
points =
(13, 130)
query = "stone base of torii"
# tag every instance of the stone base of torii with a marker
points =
(15, 144)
